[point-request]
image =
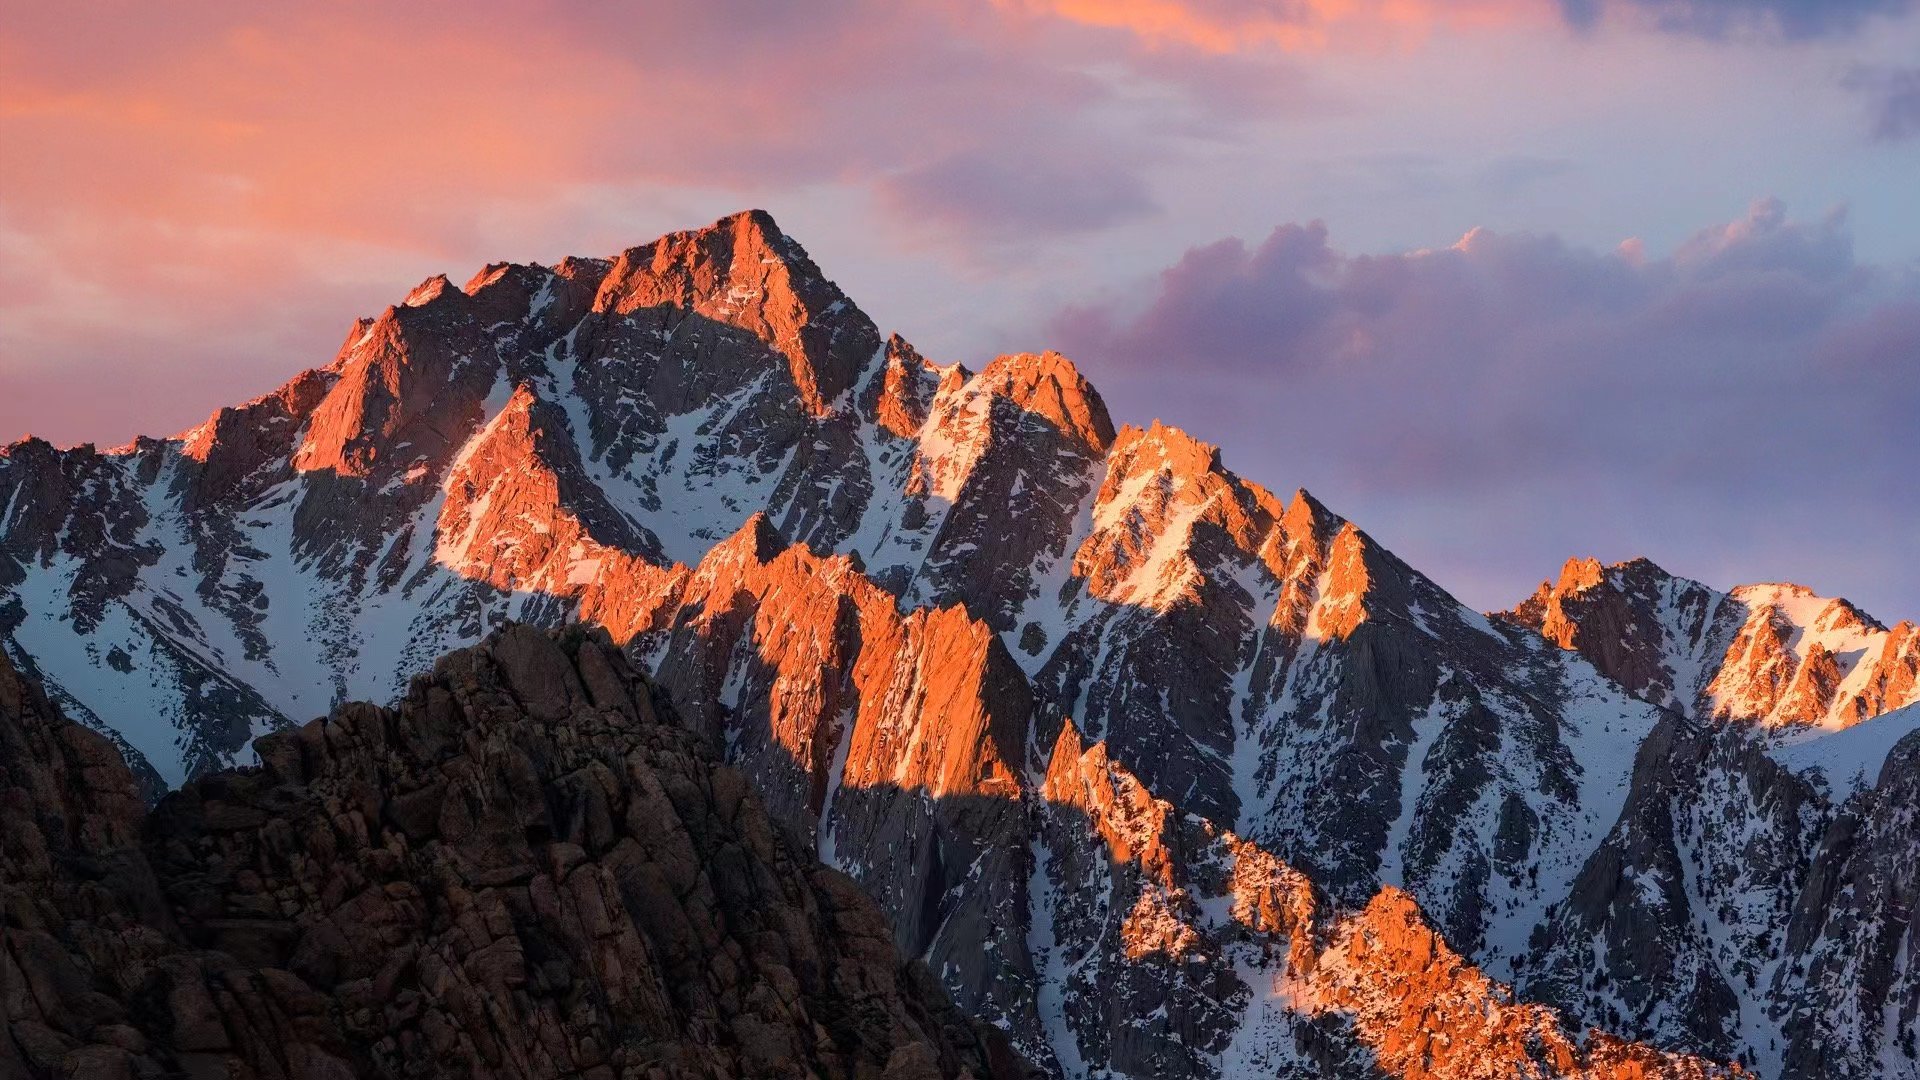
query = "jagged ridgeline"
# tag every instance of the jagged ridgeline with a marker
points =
(1160, 773)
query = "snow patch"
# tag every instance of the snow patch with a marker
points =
(1846, 761)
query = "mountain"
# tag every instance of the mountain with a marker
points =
(1756, 895)
(925, 610)
(1776, 655)
(530, 867)
(523, 868)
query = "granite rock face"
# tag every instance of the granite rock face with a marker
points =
(524, 868)
(1258, 972)
(1745, 910)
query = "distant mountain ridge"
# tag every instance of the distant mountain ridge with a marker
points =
(1777, 655)
(909, 598)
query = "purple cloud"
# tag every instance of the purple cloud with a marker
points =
(1893, 96)
(1793, 19)
(1002, 192)
(1743, 408)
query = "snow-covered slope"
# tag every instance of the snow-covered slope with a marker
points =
(1847, 762)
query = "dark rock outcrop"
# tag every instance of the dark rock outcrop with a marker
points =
(525, 868)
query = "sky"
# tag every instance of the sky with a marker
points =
(1503, 281)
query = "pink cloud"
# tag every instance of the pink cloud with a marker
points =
(1231, 26)
(202, 196)
(228, 186)
(1226, 26)
(996, 194)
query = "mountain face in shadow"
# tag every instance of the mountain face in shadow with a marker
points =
(887, 589)
(524, 868)
(529, 866)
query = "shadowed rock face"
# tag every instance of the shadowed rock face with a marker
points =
(528, 868)
(884, 588)
(1746, 910)
(524, 868)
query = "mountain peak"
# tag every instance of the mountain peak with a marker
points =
(1583, 574)
(1048, 385)
(754, 221)
(1579, 574)
(1643, 565)
(428, 291)
(757, 542)
(743, 272)
(899, 399)
(410, 386)
(1307, 518)
(1183, 454)
(28, 443)
(1774, 653)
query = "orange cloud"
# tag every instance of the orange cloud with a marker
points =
(1227, 26)
(225, 187)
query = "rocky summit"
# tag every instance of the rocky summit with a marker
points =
(1156, 771)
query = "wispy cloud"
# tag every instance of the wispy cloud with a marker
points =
(1893, 100)
(1792, 19)
(993, 193)
(1228, 26)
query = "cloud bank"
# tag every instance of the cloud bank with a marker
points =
(1746, 407)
